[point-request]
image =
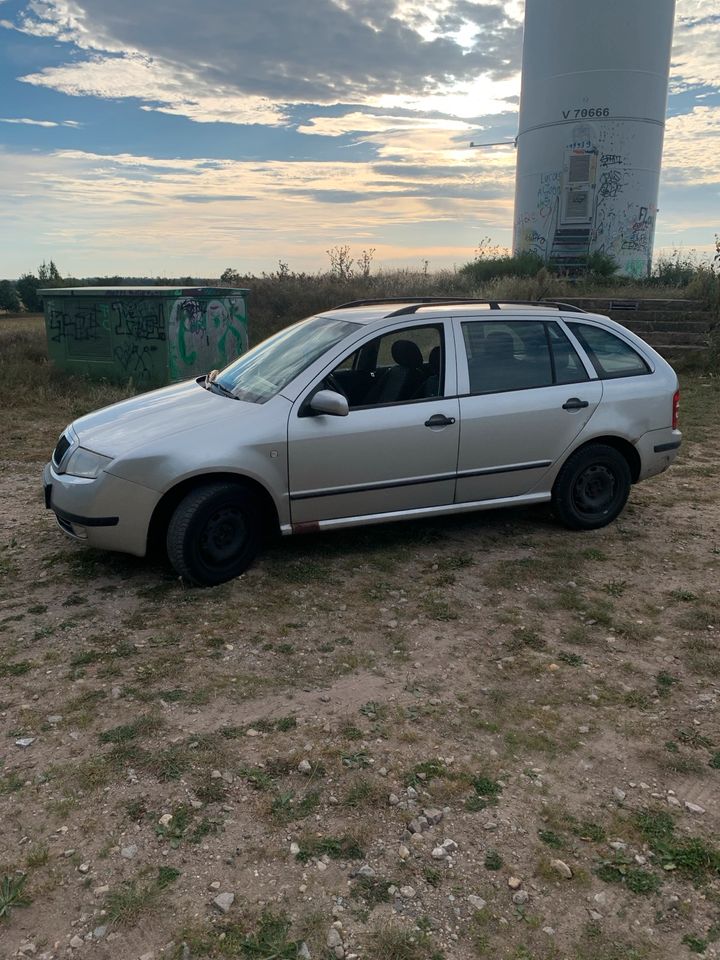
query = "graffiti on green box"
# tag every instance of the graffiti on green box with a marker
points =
(211, 329)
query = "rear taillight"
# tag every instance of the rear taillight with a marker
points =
(676, 409)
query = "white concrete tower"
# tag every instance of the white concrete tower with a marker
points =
(592, 118)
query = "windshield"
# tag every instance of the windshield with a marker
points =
(272, 364)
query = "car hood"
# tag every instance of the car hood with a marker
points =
(115, 430)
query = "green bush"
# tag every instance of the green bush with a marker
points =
(524, 264)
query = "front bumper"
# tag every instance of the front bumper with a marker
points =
(108, 512)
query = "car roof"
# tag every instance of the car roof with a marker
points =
(368, 311)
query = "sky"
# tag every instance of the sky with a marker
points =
(158, 138)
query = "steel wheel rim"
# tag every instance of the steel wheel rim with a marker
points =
(595, 490)
(223, 537)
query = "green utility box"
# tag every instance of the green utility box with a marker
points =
(151, 335)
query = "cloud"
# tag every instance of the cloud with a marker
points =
(140, 214)
(692, 148)
(696, 43)
(243, 62)
(362, 123)
(39, 123)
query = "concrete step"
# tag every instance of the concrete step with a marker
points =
(654, 325)
(671, 337)
(647, 304)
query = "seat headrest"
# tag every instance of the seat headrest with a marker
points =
(434, 360)
(406, 354)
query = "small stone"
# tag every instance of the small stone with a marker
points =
(24, 742)
(549, 931)
(294, 848)
(252, 732)
(99, 932)
(522, 896)
(393, 799)
(102, 890)
(54, 718)
(477, 903)
(412, 793)
(165, 820)
(304, 767)
(449, 845)
(150, 955)
(433, 815)
(417, 825)
(514, 883)
(584, 728)
(619, 794)
(77, 942)
(128, 853)
(84, 868)
(673, 801)
(224, 901)
(694, 807)
(403, 852)
(407, 892)
(214, 886)
(562, 869)
(333, 938)
(366, 871)
(439, 853)
(552, 667)
(617, 845)
(304, 952)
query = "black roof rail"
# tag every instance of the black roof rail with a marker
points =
(415, 303)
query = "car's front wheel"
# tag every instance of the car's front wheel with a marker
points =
(214, 533)
(592, 488)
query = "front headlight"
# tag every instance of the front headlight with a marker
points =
(85, 463)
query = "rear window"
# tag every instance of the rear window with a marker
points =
(610, 355)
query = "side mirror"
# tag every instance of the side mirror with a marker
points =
(330, 402)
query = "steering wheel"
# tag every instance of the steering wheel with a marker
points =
(332, 384)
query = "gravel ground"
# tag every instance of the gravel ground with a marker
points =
(477, 737)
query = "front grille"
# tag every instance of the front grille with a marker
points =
(63, 445)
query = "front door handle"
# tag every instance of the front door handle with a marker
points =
(574, 403)
(439, 420)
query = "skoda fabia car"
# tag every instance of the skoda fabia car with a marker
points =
(371, 412)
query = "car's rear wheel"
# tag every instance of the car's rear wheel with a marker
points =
(214, 533)
(592, 488)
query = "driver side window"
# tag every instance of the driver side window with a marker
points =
(398, 367)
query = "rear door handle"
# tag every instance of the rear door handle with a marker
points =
(574, 403)
(439, 420)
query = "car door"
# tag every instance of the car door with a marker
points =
(397, 448)
(525, 396)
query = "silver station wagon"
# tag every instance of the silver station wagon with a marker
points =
(374, 411)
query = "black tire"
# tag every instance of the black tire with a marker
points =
(592, 488)
(214, 533)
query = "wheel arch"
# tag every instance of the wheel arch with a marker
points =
(623, 446)
(165, 507)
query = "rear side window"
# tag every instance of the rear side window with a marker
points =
(519, 355)
(610, 355)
